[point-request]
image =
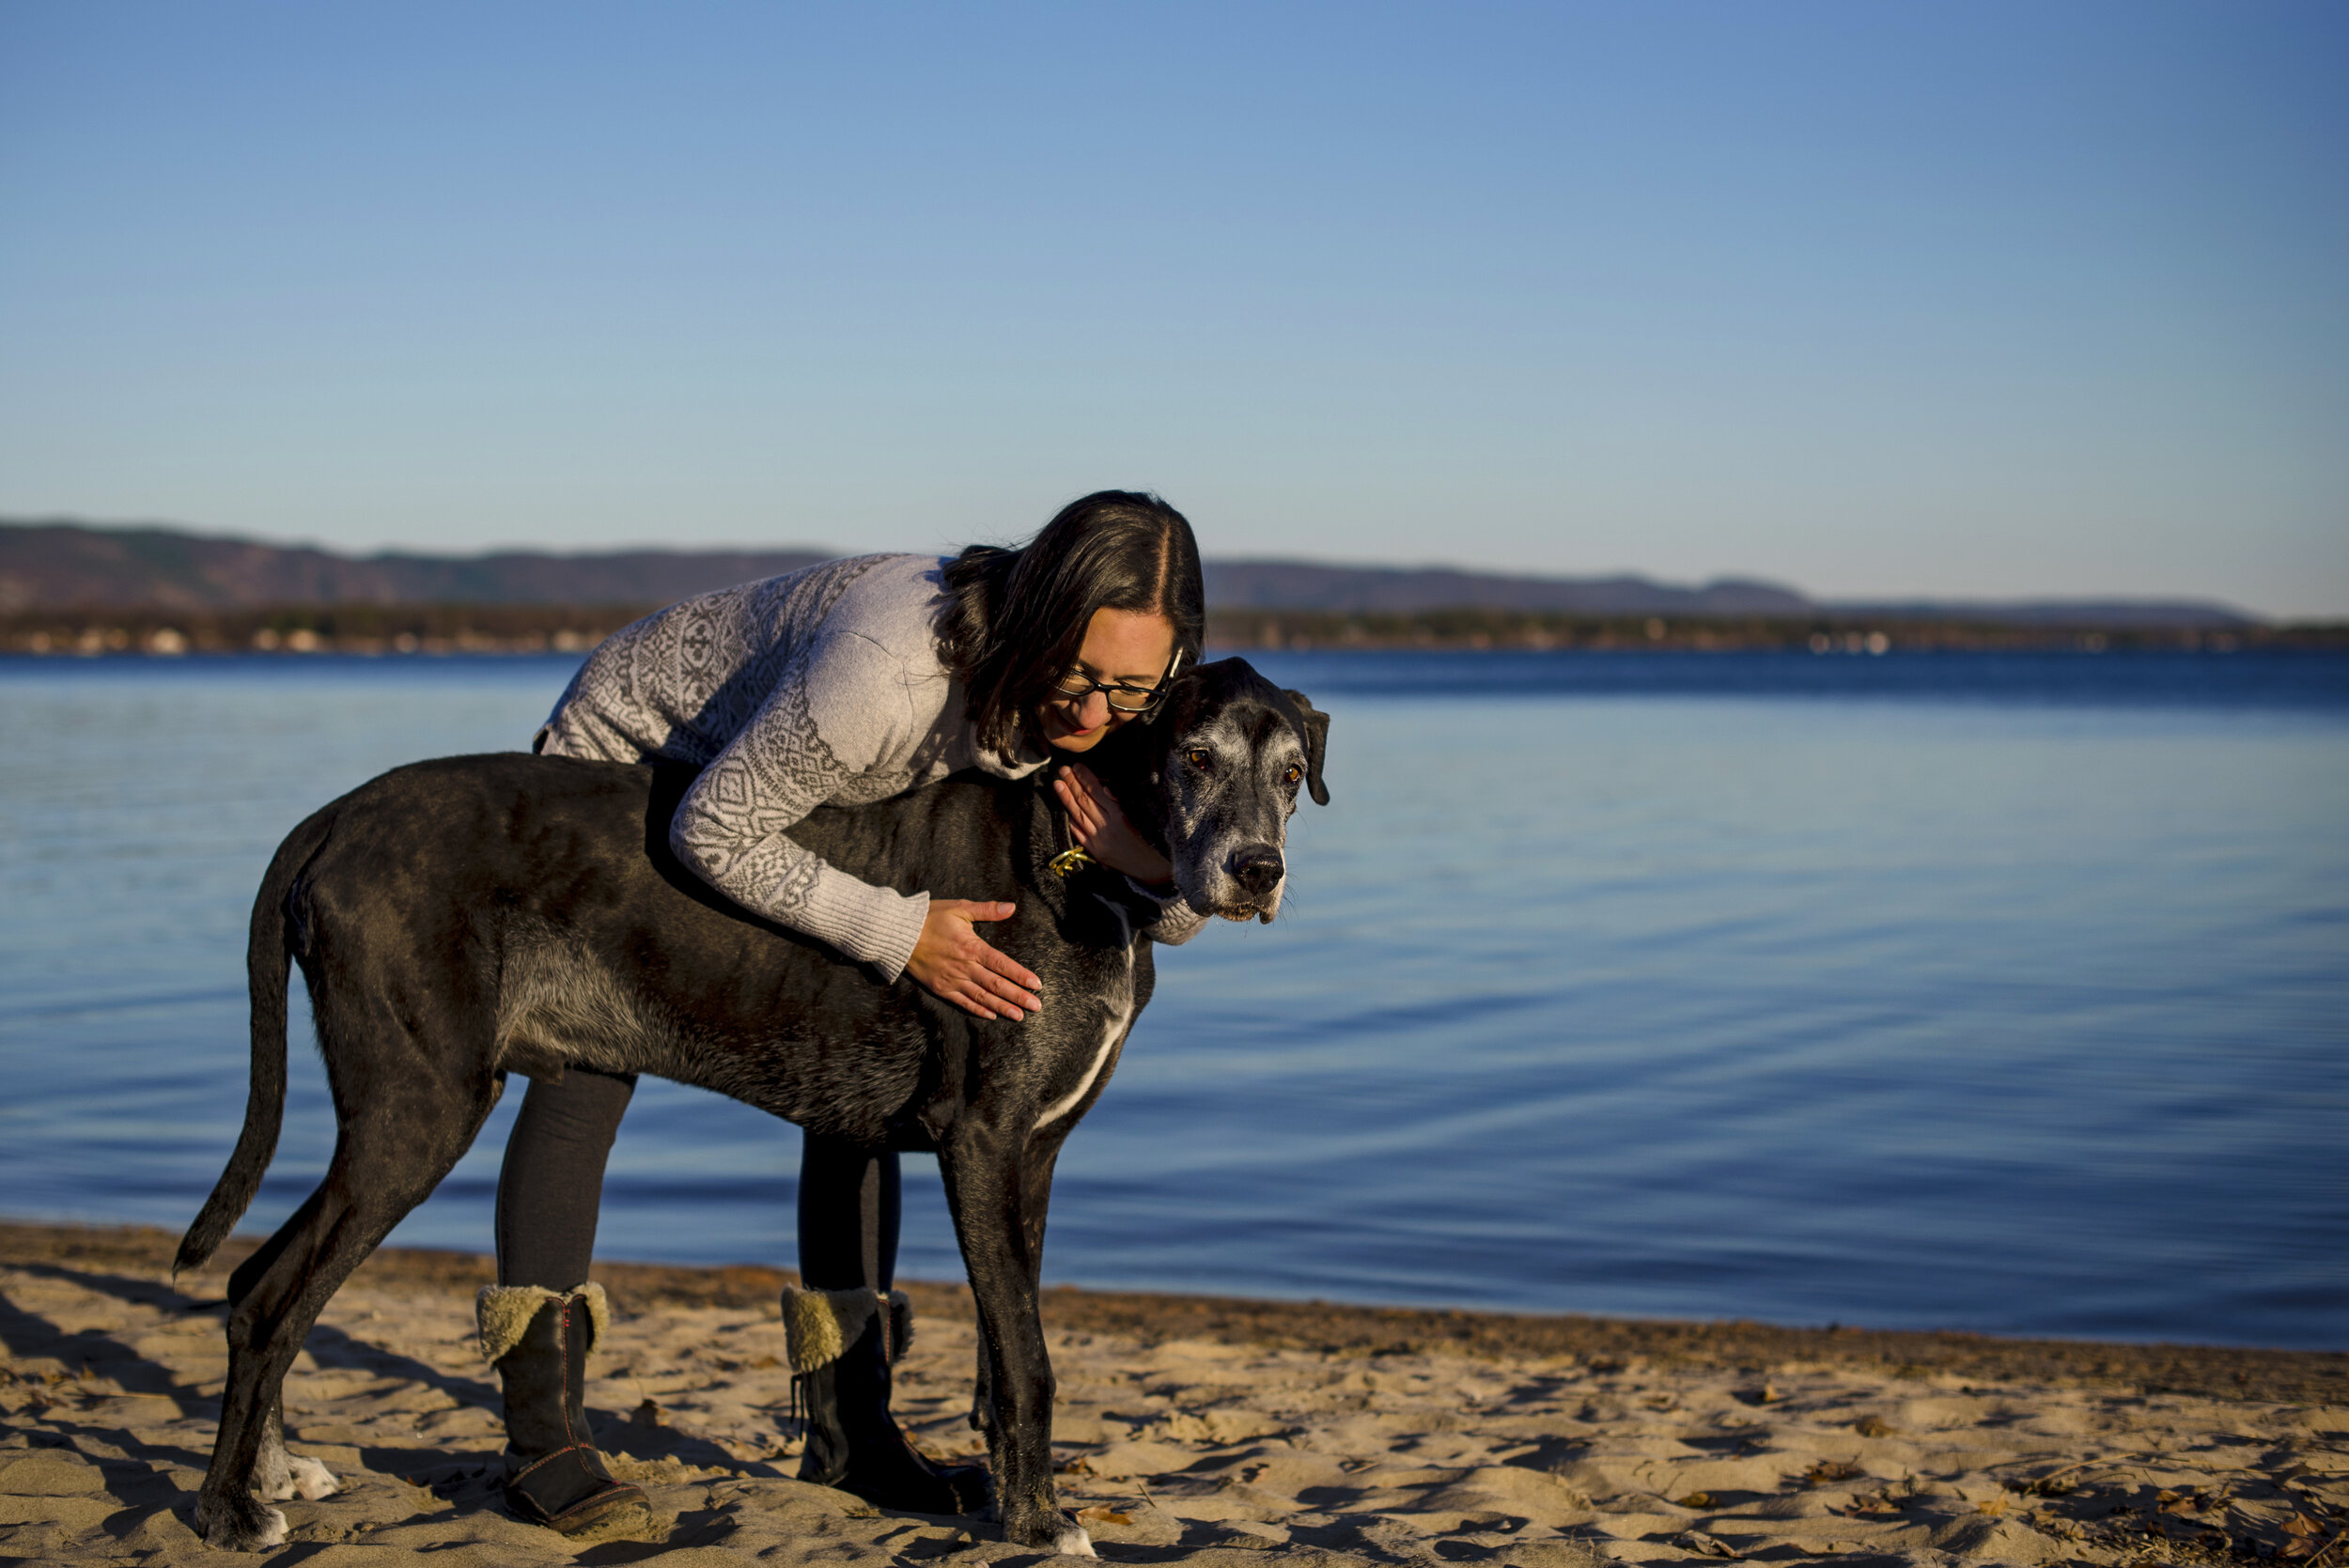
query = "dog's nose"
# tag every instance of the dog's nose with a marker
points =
(1258, 868)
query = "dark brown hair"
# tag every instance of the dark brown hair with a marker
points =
(1015, 618)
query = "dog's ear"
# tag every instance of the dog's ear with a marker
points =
(1316, 743)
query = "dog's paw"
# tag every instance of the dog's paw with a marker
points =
(229, 1529)
(309, 1479)
(1073, 1541)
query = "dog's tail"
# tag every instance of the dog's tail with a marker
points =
(267, 954)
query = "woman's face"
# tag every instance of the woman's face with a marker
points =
(1128, 647)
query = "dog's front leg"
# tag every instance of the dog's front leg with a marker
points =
(1037, 1197)
(985, 1190)
(983, 1391)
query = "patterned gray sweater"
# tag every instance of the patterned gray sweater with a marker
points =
(820, 686)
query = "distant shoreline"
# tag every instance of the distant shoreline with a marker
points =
(427, 629)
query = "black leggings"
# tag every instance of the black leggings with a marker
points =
(551, 1189)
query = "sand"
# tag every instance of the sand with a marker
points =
(1187, 1430)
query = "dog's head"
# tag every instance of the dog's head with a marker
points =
(1225, 757)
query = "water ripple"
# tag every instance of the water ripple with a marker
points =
(1993, 993)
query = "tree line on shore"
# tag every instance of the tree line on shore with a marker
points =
(527, 629)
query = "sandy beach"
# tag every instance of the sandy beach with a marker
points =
(1187, 1430)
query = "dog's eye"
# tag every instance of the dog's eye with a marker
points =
(1197, 757)
(1291, 775)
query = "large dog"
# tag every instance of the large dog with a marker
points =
(458, 919)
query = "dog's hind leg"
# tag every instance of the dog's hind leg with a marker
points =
(388, 1159)
(229, 1513)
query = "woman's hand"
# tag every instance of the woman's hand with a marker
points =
(951, 960)
(1098, 827)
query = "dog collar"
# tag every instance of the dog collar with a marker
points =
(1071, 859)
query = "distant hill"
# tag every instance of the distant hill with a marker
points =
(62, 564)
(1274, 584)
(67, 563)
(1313, 585)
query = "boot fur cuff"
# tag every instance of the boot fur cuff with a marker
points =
(818, 1325)
(505, 1315)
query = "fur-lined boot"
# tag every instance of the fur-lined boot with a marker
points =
(539, 1340)
(842, 1343)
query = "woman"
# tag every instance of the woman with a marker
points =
(846, 683)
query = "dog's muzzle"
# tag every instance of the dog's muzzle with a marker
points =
(1258, 869)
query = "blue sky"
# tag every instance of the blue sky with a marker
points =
(1986, 299)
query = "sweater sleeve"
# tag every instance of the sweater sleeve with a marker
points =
(1175, 921)
(840, 711)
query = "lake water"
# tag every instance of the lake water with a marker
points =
(1989, 992)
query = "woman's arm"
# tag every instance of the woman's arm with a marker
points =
(801, 746)
(842, 711)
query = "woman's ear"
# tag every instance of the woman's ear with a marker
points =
(1316, 726)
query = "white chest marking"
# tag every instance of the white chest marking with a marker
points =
(1119, 1017)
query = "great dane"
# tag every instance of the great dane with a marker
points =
(459, 919)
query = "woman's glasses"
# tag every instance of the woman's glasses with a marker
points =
(1124, 696)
